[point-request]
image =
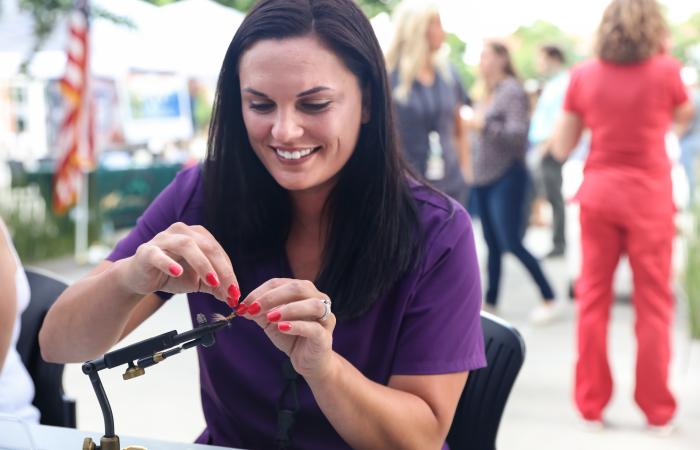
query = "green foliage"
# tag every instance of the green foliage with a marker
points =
(374, 7)
(35, 242)
(370, 7)
(692, 279)
(528, 39)
(686, 40)
(241, 5)
(160, 2)
(46, 13)
(457, 49)
(36, 234)
(202, 113)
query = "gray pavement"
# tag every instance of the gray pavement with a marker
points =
(540, 414)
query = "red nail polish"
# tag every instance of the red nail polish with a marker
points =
(231, 302)
(284, 326)
(174, 270)
(274, 316)
(242, 308)
(254, 308)
(212, 279)
(234, 292)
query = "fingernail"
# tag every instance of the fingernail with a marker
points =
(274, 316)
(175, 270)
(254, 308)
(212, 279)
(234, 292)
(284, 326)
(232, 303)
(242, 308)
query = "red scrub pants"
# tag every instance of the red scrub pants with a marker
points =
(648, 244)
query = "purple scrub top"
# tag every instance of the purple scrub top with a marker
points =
(428, 323)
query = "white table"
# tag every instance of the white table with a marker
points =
(15, 435)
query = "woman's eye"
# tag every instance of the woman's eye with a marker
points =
(260, 107)
(315, 107)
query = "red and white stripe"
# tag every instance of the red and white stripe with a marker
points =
(75, 139)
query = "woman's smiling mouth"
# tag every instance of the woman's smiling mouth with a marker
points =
(289, 155)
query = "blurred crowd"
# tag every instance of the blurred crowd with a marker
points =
(500, 151)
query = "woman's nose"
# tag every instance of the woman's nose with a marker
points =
(286, 127)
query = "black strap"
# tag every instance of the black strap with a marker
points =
(287, 406)
(431, 102)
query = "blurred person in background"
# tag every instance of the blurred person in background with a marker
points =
(690, 134)
(629, 96)
(500, 127)
(551, 64)
(427, 96)
(16, 387)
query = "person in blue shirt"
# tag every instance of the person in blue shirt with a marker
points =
(551, 63)
(690, 137)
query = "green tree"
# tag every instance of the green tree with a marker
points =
(686, 40)
(528, 39)
(457, 50)
(370, 7)
(374, 7)
(45, 15)
(241, 5)
(691, 281)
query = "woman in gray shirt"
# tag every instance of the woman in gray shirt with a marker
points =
(500, 183)
(427, 98)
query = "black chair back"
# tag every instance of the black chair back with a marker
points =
(49, 398)
(478, 415)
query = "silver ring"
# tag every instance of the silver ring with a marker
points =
(326, 309)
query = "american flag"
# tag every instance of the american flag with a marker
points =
(75, 137)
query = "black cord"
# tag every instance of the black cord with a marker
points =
(286, 414)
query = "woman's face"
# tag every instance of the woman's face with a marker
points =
(302, 109)
(490, 64)
(435, 34)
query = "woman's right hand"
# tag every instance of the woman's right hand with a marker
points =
(477, 121)
(181, 259)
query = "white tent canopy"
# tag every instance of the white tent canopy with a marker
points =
(201, 31)
(188, 37)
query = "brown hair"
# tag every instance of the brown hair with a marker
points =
(501, 50)
(372, 242)
(630, 31)
(554, 52)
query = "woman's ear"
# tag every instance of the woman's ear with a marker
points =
(366, 105)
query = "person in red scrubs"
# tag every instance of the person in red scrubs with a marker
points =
(628, 96)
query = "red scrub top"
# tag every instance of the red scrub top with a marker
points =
(629, 109)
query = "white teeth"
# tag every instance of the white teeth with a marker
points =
(295, 154)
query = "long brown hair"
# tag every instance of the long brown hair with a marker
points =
(630, 31)
(374, 232)
(502, 51)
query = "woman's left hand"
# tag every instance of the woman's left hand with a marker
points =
(296, 319)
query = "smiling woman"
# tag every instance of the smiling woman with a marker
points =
(303, 127)
(302, 198)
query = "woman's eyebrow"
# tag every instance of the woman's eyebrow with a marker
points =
(313, 91)
(254, 92)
